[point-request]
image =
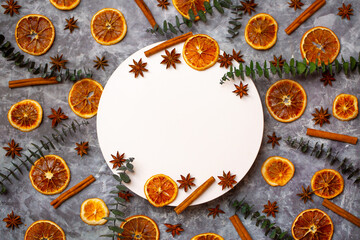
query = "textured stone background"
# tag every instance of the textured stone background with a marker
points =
(80, 49)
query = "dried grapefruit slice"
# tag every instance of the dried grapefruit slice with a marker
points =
(345, 107)
(25, 115)
(286, 100)
(160, 190)
(261, 31)
(84, 97)
(183, 6)
(207, 236)
(139, 227)
(200, 52)
(312, 224)
(93, 211)
(65, 4)
(34, 34)
(277, 171)
(50, 174)
(44, 229)
(321, 44)
(108, 26)
(327, 183)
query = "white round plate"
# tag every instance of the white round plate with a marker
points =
(179, 121)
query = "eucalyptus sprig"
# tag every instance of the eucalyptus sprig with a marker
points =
(46, 144)
(19, 60)
(234, 22)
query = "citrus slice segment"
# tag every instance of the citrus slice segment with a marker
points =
(84, 97)
(183, 6)
(108, 26)
(261, 31)
(345, 107)
(312, 224)
(139, 227)
(65, 4)
(321, 44)
(25, 115)
(286, 100)
(44, 229)
(277, 171)
(327, 183)
(34, 34)
(160, 190)
(200, 51)
(93, 211)
(207, 236)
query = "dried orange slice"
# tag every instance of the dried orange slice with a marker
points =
(25, 115)
(50, 174)
(84, 97)
(261, 31)
(139, 227)
(277, 171)
(286, 100)
(200, 52)
(44, 229)
(160, 190)
(312, 224)
(345, 107)
(108, 26)
(93, 211)
(207, 236)
(327, 183)
(183, 6)
(34, 34)
(65, 4)
(319, 43)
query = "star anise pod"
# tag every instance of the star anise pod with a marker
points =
(227, 180)
(186, 182)
(125, 195)
(57, 117)
(163, 4)
(321, 117)
(170, 59)
(82, 148)
(58, 63)
(12, 220)
(174, 229)
(118, 160)
(13, 149)
(248, 6)
(306, 194)
(241, 90)
(277, 61)
(327, 78)
(273, 139)
(71, 24)
(345, 11)
(237, 56)
(296, 4)
(215, 211)
(11, 7)
(138, 68)
(270, 209)
(225, 60)
(100, 63)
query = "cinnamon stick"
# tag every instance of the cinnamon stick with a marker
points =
(331, 136)
(168, 43)
(144, 8)
(239, 227)
(305, 15)
(343, 213)
(32, 82)
(72, 191)
(194, 195)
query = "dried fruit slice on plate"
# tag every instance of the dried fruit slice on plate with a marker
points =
(44, 229)
(207, 236)
(25, 115)
(286, 100)
(183, 6)
(160, 190)
(345, 107)
(93, 211)
(65, 4)
(327, 183)
(312, 224)
(277, 171)
(139, 227)
(34, 34)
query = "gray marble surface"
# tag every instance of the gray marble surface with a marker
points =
(80, 49)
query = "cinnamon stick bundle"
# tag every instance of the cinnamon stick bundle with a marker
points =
(239, 227)
(343, 213)
(331, 136)
(144, 8)
(32, 82)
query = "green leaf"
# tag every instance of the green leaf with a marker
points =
(282, 235)
(130, 166)
(202, 15)
(292, 62)
(247, 71)
(312, 67)
(172, 29)
(17, 167)
(49, 142)
(208, 7)
(125, 177)
(5, 177)
(110, 218)
(218, 7)
(265, 223)
(117, 212)
(177, 22)
(266, 71)
(241, 69)
(119, 199)
(352, 63)
(38, 149)
(117, 178)
(12, 173)
(300, 67)
(286, 68)
(259, 69)
(337, 66)
(330, 69)
(165, 26)
(121, 187)
(116, 229)
(272, 69)
(191, 15)
(345, 66)
(323, 67)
